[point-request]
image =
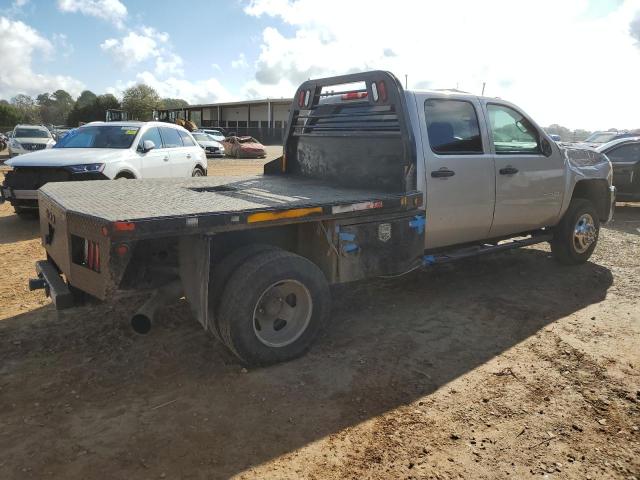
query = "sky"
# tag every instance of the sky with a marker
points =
(571, 62)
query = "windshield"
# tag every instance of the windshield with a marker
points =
(247, 140)
(31, 133)
(202, 137)
(99, 136)
(215, 132)
(601, 137)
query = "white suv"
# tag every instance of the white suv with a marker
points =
(101, 151)
(29, 138)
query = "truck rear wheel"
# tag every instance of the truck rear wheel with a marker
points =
(273, 307)
(576, 235)
(221, 273)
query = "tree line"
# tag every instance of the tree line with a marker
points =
(60, 108)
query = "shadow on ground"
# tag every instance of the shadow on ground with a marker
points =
(16, 229)
(626, 218)
(82, 396)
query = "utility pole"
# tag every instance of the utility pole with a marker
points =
(406, 81)
(483, 85)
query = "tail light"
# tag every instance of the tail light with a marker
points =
(303, 98)
(92, 255)
(382, 89)
(354, 95)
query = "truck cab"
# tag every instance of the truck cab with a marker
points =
(487, 170)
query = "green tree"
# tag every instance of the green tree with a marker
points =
(107, 102)
(54, 108)
(140, 101)
(170, 103)
(95, 110)
(9, 115)
(86, 98)
(27, 108)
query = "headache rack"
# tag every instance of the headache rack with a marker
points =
(352, 130)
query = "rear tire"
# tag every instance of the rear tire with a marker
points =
(576, 236)
(273, 307)
(220, 275)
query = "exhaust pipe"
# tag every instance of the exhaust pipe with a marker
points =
(142, 320)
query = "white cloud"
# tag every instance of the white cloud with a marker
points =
(18, 44)
(201, 91)
(132, 48)
(112, 11)
(240, 62)
(136, 48)
(556, 60)
(169, 65)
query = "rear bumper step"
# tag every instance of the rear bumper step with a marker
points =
(54, 286)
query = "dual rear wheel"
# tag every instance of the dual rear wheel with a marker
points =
(272, 304)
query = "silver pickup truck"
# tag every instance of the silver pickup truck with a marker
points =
(373, 181)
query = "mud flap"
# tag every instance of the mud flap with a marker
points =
(194, 255)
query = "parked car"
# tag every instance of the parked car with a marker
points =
(209, 145)
(555, 137)
(101, 151)
(624, 154)
(217, 134)
(243, 147)
(3, 142)
(431, 177)
(599, 138)
(29, 138)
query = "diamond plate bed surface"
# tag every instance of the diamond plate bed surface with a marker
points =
(155, 198)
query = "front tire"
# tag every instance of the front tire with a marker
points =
(197, 172)
(576, 235)
(273, 307)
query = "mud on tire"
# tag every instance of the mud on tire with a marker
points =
(273, 307)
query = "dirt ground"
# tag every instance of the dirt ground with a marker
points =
(508, 366)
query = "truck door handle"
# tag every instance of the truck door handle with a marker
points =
(442, 173)
(166, 159)
(188, 155)
(508, 170)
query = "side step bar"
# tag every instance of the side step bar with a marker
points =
(475, 250)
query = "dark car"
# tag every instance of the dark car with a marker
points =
(624, 154)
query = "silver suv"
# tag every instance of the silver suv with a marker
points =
(29, 138)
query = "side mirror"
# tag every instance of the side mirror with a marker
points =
(147, 146)
(545, 146)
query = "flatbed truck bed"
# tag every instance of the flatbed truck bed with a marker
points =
(214, 204)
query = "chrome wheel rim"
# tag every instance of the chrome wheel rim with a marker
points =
(282, 313)
(584, 233)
